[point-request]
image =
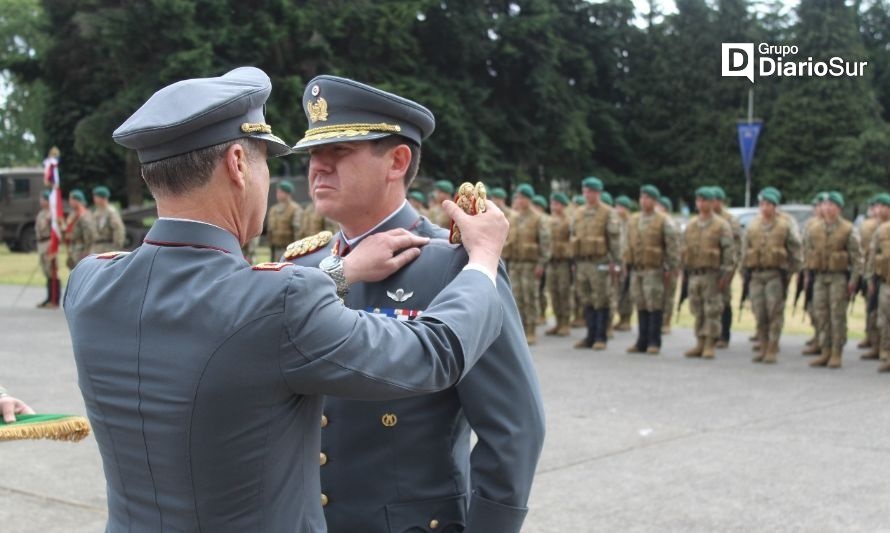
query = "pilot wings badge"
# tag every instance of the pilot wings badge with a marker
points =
(400, 295)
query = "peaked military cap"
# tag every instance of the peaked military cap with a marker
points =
(666, 203)
(606, 197)
(101, 191)
(343, 110)
(626, 202)
(526, 190)
(193, 114)
(592, 183)
(559, 197)
(78, 195)
(498, 192)
(650, 191)
(286, 186)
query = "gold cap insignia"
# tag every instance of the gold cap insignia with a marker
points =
(318, 110)
(256, 127)
(308, 245)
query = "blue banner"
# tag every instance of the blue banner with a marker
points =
(748, 134)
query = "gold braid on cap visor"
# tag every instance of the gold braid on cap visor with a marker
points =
(337, 131)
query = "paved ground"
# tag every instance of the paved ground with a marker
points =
(635, 443)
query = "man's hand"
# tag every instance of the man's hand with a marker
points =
(483, 235)
(10, 407)
(539, 271)
(851, 289)
(381, 255)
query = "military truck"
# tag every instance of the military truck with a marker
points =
(20, 190)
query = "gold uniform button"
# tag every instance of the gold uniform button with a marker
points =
(323, 459)
(324, 421)
(389, 420)
(324, 499)
(434, 523)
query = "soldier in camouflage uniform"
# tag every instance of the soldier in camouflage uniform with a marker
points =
(110, 231)
(311, 223)
(877, 272)
(418, 201)
(813, 346)
(615, 287)
(559, 272)
(499, 196)
(833, 253)
(596, 245)
(578, 202)
(665, 207)
(726, 316)
(866, 232)
(80, 229)
(539, 206)
(625, 304)
(284, 222)
(771, 253)
(651, 256)
(43, 231)
(709, 262)
(444, 190)
(529, 255)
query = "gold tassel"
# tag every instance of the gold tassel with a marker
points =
(72, 429)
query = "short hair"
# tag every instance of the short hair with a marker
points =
(184, 173)
(386, 143)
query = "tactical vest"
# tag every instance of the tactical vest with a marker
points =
(766, 248)
(590, 239)
(645, 249)
(560, 234)
(702, 244)
(43, 226)
(882, 255)
(281, 229)
(104, 230)
(828, 253)
(866, 232)
(525, 247)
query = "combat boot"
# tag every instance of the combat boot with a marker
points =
(721, 344)
(772, 351)
(823, 359)
(835, 360)
(871, 355)
(884, 368)
(643, 334)
(552, 331)
(864, 343)
(666, 327)
(812, 340)
(49, 292)
(602, 321)
(697, 350)
(753, 338)
(623, 323)
(814, 349)
(708, 352)
(590, 322)
(761, 348)
(530, 338)
(655, 320)
(578, 322)
(562, 327)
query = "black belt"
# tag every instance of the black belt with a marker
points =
(699, 271)
(765, 269)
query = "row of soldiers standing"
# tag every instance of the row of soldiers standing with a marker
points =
(84, 232)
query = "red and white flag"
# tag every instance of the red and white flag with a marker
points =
(51, 178)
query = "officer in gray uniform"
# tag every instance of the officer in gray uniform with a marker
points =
(407, 465)
(203, 376)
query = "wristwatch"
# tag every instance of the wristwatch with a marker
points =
(332, 265)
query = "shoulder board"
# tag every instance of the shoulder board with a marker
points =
(111, 255)
(307, 245)
(271, 266)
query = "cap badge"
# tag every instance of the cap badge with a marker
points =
(318, 111)
(400, 295)
(256, 127)
(315, 90)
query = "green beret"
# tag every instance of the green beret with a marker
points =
(77, 194)
(343, 110)
(540, 200)
(650, 191)
(445, 186)
(286, 186)
(666, 202)
(559, 197)
(719, 193)
(773, 189)
(526, 190)
(592, 183)
(705, 193)
(101, 191)
(882, 198)
(818, 198)
(771, 196)
(607, 198)
(836, 198)
(624, 201)
(417, 195)
(498, 192)
(46, 194)
(579, 199)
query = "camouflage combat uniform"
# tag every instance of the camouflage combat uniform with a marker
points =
(285, 219)
(622, 302)
(80, 235)
(110, 231)
(559, 274)
(866, 232)
(771, 253)
(707, 258)
(878, 271)
(670, 288)
(530, 248)
(726, 315)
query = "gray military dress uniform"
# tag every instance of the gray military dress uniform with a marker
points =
(203, 376)
(405, 465)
